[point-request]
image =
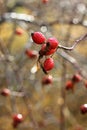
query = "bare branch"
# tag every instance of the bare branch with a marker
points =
(74, 45)
(30, 19)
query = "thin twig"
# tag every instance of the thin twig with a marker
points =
(74, 45)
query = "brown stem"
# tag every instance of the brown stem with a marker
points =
(74, 45)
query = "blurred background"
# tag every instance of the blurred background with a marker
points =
(51, 106)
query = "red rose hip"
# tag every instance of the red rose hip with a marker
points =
(51, 51)
(38, 37)
(48, 79)
(19, 31)
(83, 108)
(17, 118)
(53, 43)
(31, 53)
(48, 64)
(69, 85)
(76, 78)
(5, 92)
(46, 50)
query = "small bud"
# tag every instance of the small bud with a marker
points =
(83, 108)
(17, 118)
(19, 31)
(69, 85)
(48, 79)
(5, 92)
(31, 53)
(76, 78)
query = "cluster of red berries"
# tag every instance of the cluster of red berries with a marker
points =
(48, 47)
(17, 119)
(75, 79)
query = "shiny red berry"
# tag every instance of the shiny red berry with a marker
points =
(83, 108)
(48, 64)
(51, 51)
(45, 50)
(5, 92)
(38, 37)
(48, 79)
(53, 43)
(17, 118)
(31, 53)
(69, 85)
(76, 78)
(19, 31)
